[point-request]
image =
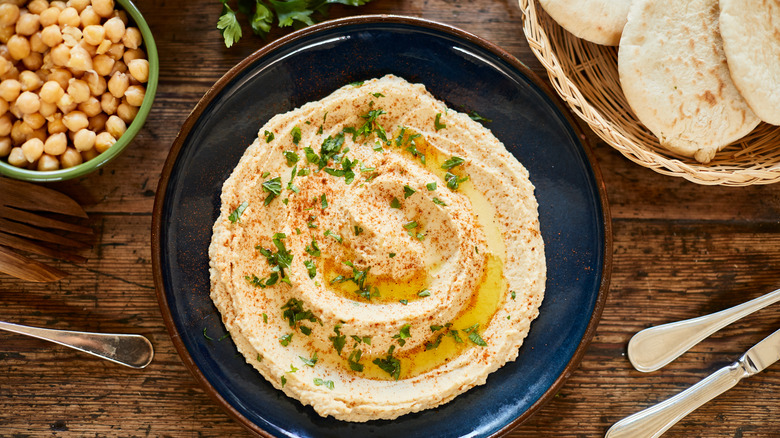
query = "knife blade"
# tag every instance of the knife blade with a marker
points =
(655, 420)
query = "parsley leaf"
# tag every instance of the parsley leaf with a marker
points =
(285, 339)
(228, 25)
(452, 162)
(310, 362)
(395, 203)
(274, 187)
(296, 135)
(389, 364)
(431, 186)
(477, 118)
(291, 157)
(235, 216)
(437, 124)
(326, 383)
(438, 201)
(408, 191)
(268, 136)
(311, 267)
(354, 359)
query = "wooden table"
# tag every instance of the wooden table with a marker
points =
(680, 250)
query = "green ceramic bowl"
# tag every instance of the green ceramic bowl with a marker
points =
(134, 15)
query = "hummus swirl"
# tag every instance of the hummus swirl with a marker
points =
(377, 253)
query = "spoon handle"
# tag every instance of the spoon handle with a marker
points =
(653, 348)
(134, 351)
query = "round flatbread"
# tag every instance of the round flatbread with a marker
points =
(751, 41)
(675, 77)
(598, 21)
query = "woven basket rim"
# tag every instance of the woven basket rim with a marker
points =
(738, 165)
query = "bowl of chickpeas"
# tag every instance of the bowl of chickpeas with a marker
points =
(77, 81)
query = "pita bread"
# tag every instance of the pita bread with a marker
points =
(675, 77)
(598, 21)
(751, 41)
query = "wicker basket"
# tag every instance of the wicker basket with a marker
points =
(585, 75)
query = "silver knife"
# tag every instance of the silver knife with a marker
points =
(655, 420)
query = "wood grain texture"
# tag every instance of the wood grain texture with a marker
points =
(680, 250)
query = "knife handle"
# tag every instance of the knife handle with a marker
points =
(655, 420)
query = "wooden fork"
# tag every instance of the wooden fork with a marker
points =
(34, 233)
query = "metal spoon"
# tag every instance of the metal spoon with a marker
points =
(134, 351)
(654, 347)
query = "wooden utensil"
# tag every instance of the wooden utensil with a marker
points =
(41, 234)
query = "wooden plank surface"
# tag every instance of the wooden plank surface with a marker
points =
(680, 250)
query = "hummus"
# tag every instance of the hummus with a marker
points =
(377, 253)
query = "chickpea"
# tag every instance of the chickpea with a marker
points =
(5, 66)
(71, 157)
(91, 50)
(115, 126)
(6, 32)
(94, 34)
(116, 51)
(5, 125)
(69, 17)
(10, 89)
(16, 157)
(55, 124)
(14, 110)
(135, 95)
(35, 120)
(120, 67)
(133, 54)
(79, 5)
(97, 123)
(47, 109)
(56, 144)
(33, 61)
(97, 83)
(36, 43)
(18, 47)
(102, 64)
(32, 148)
(37, 6)
(103, 47)
(103, 141)
(84, 140)
(48, 163)
(8, 14)
(132, 38)
(51, 35)
(49, 16)
(126, 112)
(51, 91)
(60, 55)
(89, 154)
(80, 59)
(109, 103)
(89, 17)
(40, 134)
(91, 107)
(28, 24)
(3, 107)
(61, 76)
(71, 35)
(59, 4)
(104, 8)
(118, 84)
(5, 146)
(20, 133)
(29, 81)
(115, 29)
(66, 104)
(28, 102)
(78, 90)
(75, 120)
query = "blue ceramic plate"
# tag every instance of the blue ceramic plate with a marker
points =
(467, 73)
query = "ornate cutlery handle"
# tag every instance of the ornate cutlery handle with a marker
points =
(655, 420)
(653, 348)
(134, 351)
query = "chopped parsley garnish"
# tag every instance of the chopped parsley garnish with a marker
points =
(408, 191)
(265, 318)
(474, 336)
(434, 344)
(335, 236)
(290, 185)
(296, 135)
(311, 268)
(313, 250)
(403, 334)
(323, 201)
(389, 364)
(294, 313)
(410, 225)
(424, 293)
(453, 181)
(477, 118)
(265, 174)
(456, 336)
(437, 124)
(310, 221)
(404, 302)
(235, 216)
(285, 339)
(391, 255)
(284, 380)
(371, 126)
(512, 294)
(395, 203)
(259, 357)
(431, 186)
(358, 230)
(273, 187)
(311, 156)
(208, 338)
(326, 383)
(354, 360)
(330, 147)
(438, 201)
(359, 278)
(325, 116)
(291, 158)
(310, 362)
(279, 260)
(339, 340)
(377, 94)
(357, 83)
(255, 281)
(268, 136)
(452, 162)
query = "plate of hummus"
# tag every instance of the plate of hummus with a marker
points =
(380, 226)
